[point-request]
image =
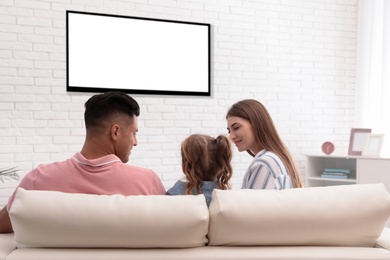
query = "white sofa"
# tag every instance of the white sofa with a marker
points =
(337, 222)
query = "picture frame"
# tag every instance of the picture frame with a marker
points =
(373, 145)
(357, 140)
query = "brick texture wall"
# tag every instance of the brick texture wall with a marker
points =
(297, 57)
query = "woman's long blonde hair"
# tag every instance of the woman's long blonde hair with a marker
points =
(266, 134)
(205, 158)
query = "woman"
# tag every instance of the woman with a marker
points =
(251, 129)
(206, 166)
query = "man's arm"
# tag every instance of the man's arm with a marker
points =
(5, 222)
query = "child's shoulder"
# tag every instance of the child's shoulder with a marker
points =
(179, 188)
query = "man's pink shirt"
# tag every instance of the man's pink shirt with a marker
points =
(106, 176)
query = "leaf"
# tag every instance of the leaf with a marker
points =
(9, 173)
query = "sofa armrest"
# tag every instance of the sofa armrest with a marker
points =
(7, 245)
(383, 240)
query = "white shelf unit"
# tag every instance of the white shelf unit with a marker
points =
(315, 165)
(363, 170)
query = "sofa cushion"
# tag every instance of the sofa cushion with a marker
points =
(348, 215)
(56, 219)
(205, 253)
(7, 245)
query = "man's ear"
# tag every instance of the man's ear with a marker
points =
(114, 131)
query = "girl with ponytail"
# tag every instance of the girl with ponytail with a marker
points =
(206, 164)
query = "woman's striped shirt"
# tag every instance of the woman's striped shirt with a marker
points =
(267, 171)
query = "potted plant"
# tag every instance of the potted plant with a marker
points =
(10, 173)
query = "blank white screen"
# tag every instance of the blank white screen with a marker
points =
(127, 53)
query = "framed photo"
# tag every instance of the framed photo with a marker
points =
(373, 145)
(357, 140)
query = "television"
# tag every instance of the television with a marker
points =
(138, 55)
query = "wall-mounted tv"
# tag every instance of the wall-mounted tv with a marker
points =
(136, 55)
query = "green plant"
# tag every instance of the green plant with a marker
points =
(10, 173)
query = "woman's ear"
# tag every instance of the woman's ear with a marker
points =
(114, 131)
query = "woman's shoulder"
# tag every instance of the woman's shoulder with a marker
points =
(267, 156)
(268, 159)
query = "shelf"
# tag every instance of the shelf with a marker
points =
(332, 179)
(362, 170)
(315, 166)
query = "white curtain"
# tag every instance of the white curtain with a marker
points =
(373, 69)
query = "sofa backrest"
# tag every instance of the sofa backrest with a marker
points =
(349, 215)
(56, 219)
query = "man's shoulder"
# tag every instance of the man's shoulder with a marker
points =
(60, 165)
(135, 169)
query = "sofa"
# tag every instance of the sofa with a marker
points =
(334, 222)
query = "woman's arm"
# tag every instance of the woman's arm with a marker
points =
(259, 177)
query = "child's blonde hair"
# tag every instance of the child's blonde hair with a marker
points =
(205, 158)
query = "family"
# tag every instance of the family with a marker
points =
(111, 121)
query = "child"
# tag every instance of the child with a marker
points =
(206, 166)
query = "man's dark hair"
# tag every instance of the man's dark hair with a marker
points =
(102, 107)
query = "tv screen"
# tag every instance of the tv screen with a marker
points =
(136, 55)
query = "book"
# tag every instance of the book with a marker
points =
(335, 173)
(331, 170)
(333, 176)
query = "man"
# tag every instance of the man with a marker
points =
(111, 121)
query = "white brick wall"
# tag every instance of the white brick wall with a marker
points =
(297, 57)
